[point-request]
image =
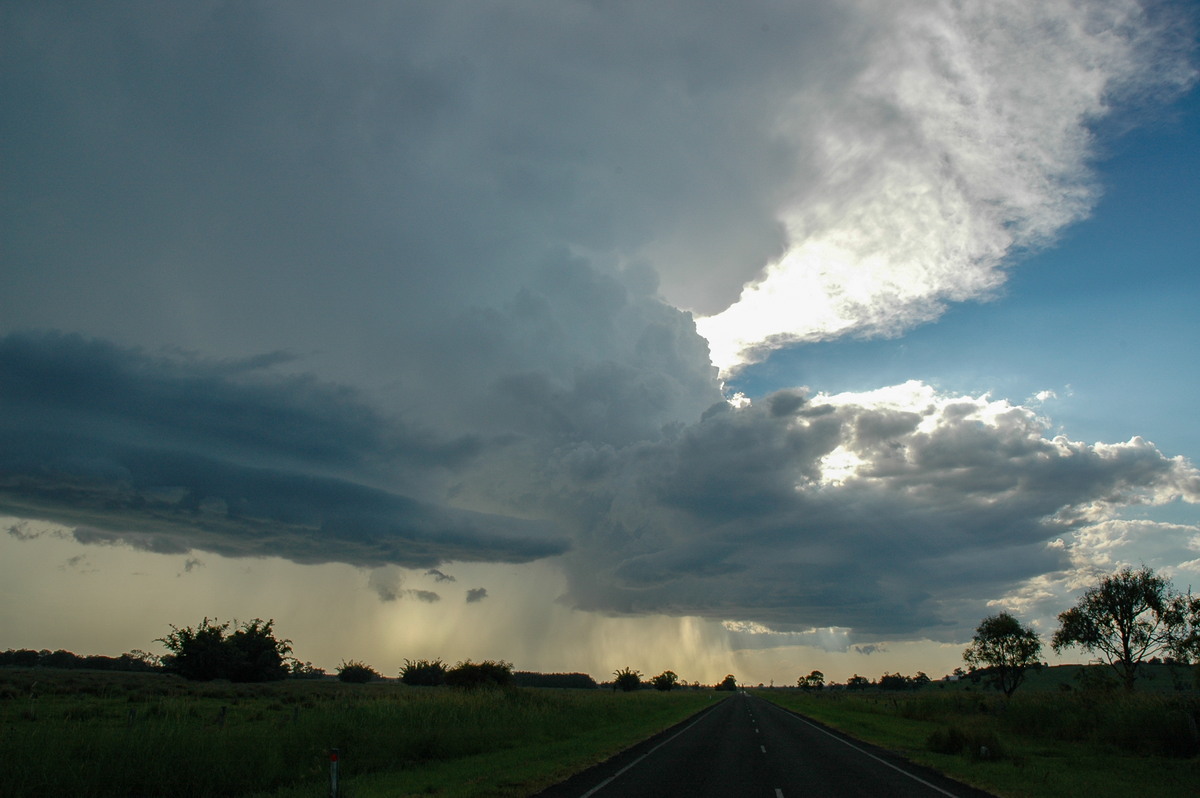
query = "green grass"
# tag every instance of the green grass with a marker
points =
(108, 734)
(1040, 743)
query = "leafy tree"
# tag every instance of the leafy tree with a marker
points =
(251, 653)
(474, 675)
(1129, 617)
(729, 683)
(627, 680)
(257, 656)
(665, 681)
(1006, 647)
(894, 681)
(813, 681)
(857, 682)
(199, 654)
(423, 673)
(304, 670)
(356, 672)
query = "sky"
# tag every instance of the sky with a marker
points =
(746, 338)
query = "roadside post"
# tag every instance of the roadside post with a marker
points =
(333, 773)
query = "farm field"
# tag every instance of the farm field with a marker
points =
(98, 734)
(1044, 742)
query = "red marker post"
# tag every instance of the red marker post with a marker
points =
(333, 772)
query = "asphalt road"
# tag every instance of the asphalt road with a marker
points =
(747, 747)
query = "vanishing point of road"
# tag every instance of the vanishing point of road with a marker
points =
(746, 747)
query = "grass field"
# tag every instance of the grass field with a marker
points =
(119, 734)
(1043, 742)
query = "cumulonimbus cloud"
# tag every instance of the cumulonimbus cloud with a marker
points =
(469, 240)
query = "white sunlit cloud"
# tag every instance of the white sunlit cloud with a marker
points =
(963, 142)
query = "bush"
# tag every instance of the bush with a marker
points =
(423, 673)
(251, 653)
(665, 681)
(974, 744)
(627, 680)
(729, 683)
(355, 672)
(474, 675)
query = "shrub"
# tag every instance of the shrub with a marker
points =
(423, 672)
(474, 675)
(627, 680)
(356, 672)
(974, 744)
(667, 680)
(251, 653)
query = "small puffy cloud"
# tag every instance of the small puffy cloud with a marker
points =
(439, 576)
(388, 583)
(476, 594)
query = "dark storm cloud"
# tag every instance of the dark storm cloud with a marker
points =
(741, 516)
(168, 454)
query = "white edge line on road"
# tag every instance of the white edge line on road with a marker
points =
(778, 793)
(616, 775)
(865, 753)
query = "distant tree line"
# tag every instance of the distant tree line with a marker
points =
(1129, 618)
(138, 661)
(578, 681)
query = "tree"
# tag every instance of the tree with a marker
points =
(355, 672)
(728, 683)
(251, 653)
(813, 681)
(857, 682)
(894, 681)
(627, 680)
(1007, 648)
(256, 654)
(1129, 617)
(665, 681)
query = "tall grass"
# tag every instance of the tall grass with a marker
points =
(1039, 743)
(92, 735)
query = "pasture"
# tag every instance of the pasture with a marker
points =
(1042, 743)
(98, 734)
